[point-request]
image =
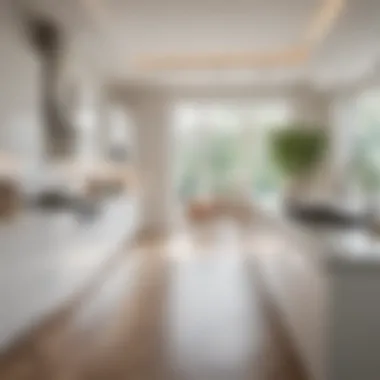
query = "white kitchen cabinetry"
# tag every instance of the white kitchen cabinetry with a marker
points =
(326, 289)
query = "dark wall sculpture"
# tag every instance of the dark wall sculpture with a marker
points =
(47, 40)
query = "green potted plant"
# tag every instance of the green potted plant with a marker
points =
(297, 150)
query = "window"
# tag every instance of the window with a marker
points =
(222, 147)
(366, 160)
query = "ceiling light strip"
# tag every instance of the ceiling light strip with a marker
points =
(288, 57)
(324, 20)
(298, 54)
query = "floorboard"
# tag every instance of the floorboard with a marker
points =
(187, 308)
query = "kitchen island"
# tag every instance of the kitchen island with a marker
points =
(325, 285)
(46, 257)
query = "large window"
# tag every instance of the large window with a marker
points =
(366, 160)
(224, 147)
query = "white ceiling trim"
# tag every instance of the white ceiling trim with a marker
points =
(295, 55)
(323, 21)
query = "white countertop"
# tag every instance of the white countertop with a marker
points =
(331, 248)
(45, 257)
(350, 248)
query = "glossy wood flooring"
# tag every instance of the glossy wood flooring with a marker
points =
(185, 308)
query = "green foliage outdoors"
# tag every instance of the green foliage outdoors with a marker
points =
(223, 159)
(218, 157)
(366, 158)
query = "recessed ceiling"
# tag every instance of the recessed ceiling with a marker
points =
(114, 35)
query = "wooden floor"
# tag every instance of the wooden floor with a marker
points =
(189, 307)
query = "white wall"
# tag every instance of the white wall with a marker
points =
(20, 117)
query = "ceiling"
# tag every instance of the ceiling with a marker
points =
(223, 41)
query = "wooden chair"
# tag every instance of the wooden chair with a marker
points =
(9, 198)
